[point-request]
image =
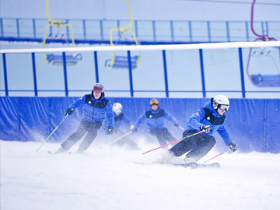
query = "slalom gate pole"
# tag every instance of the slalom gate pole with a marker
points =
(217, 155)
(119, 138)
(53, 132)
(173, 142)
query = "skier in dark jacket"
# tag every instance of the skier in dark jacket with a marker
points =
(209, 119)
(155, 117)
(123, 126)
(96, 108)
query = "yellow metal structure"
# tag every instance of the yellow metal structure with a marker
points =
(122, 29)
(72, 59)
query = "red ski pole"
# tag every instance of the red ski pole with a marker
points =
(173, 142)
(217, 155)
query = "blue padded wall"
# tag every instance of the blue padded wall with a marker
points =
(252, 123)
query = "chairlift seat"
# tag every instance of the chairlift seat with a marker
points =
(122, 62)
(265, 80)
(58, 59)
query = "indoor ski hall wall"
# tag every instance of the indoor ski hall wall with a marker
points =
(143, 10)
(252, 123)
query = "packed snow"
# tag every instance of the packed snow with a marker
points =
(118, 179)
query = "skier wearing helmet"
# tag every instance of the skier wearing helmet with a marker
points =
(96, 108)
(123, 125)
(155, 121)
(209, 119)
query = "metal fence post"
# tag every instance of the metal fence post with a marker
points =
(84, 28)
(17, 28)
(227, 26)
(165, 73)
(34, 74)
(5, 74)
(67, 31)
(34, 28)
(65, 74)
(101, 30)
(130, 74)
(96, 67)
(241, 72)
(2, 28)
(202, 73)
(172, 30)
(247, 30)
(190, 30)
(208, 30)
(136, 28)
(154, 30)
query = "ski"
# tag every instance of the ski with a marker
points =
(55, 153)
(187, 165)
(209, 165)
(196, 165)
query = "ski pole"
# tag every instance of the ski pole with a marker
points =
(173, 142)
(52, 132)
(217, 155)
(181, 127)
(153, 137)
(119, 138)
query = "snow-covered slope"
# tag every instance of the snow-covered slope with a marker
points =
(118, 179)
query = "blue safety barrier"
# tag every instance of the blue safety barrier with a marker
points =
(251, 123)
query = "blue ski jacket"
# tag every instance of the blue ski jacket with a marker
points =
(122, 122)
(155, 119)
(202, 118)
(95, 110)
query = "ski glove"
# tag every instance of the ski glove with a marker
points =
(176, 124)
(110, 130)
(206, 128)
(232, 146)
(69, 111)
(134, 130)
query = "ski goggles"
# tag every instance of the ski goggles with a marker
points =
(223, 107)
(154, 102)
(97, 89)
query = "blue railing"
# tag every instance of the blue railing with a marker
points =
(147, 32)
(195, 74)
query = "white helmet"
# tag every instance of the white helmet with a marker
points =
(117, 107)
(221, 102)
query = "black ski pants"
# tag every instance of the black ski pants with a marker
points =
(125, 141)
(197, 146)
(162, 135)
(87, 129)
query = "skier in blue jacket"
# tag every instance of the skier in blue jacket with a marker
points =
(96, 108)
(209, 119)
(155, 117)
(123, 126)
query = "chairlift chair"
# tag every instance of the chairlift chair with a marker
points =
(57, 59)
(121, 62)
(260, 79)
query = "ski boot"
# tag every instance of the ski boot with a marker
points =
(163, 160)
(79, 151)
(60, 150)
(188, 159)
